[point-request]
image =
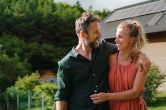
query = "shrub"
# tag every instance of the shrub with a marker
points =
(47, 90)
(155, 78)
(33, 85)
(24, 84)
(10, 69)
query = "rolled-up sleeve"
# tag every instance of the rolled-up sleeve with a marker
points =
(64, 83)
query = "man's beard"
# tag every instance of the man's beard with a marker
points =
(94, 44)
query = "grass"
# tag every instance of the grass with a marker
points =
(160, 104)
(39, 108)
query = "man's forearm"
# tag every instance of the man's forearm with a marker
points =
(61, 105)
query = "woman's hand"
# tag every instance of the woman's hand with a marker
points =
(99, 97)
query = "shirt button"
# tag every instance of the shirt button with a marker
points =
(94, 75)
(95, 91)
(96, 86)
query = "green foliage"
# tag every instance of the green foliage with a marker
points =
(102, 14)
(10, 69)
(43, 56)
(12, 46)
(160, 103)
(39, 55)
(44, 50)
(47, 90)
(155, 78)
(28, 82)
(37, 88)
(22, 57)
(34, 34)
(39, 20)
(22, 85)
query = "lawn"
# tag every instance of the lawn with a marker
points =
(39, 108)
(160, 104)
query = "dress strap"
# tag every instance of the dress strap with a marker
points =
(117, 57)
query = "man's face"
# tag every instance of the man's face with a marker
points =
(93, 35)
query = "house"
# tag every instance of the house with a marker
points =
(152, 15)
(48, 76)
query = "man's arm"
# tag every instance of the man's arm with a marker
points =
(112, 47)
(64, 88)
(144, 60)
(61, 105)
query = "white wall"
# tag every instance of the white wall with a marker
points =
(157, 54)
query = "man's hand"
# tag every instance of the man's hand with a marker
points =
(144, 61)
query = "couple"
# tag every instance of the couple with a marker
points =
(97, 75)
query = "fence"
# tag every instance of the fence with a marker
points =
(26, 101)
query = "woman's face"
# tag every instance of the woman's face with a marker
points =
(123, 40)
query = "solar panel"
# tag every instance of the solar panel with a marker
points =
(124, 13)
(138, 10)
(155, 19)
(154, 7)
(132, 12)
(118, 15)
(162, 6)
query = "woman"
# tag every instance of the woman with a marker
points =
(128, 71)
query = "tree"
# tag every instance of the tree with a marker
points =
(10, 69)
(35, 34)
(43, 56)
(40, 20)
(12, 46)
(37, 87)
(155, 78)
(102, 14)
(48, 91)
(24, 84)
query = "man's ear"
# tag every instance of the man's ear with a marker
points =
(82, 34)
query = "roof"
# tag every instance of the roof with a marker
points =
(47, 74)
(152, 16)
(138, 10)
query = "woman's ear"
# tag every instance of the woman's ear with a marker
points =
(133, 40)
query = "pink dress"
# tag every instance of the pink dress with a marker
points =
(121, 78)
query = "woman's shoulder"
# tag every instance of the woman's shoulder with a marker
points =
(143, 58)
(112, 58)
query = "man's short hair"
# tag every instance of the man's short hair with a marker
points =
(83, 22)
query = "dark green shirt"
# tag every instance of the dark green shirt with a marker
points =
(79, 77)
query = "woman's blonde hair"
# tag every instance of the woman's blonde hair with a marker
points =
(136, 31)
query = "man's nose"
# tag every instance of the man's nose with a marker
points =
(116, 39)
(99, 35)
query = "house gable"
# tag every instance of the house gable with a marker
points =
(152, 16)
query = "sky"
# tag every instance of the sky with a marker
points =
(102, 4)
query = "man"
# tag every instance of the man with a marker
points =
(83, 71)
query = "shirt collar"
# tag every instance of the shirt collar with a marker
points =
(75, 54)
